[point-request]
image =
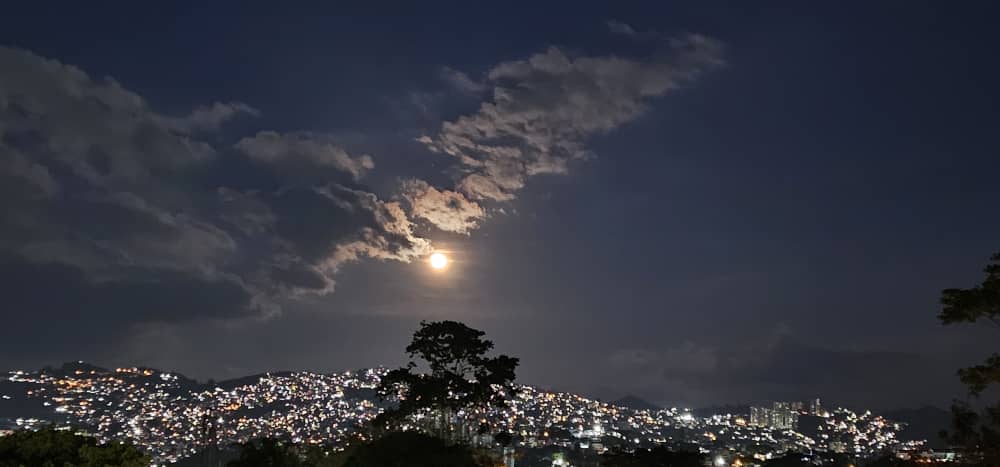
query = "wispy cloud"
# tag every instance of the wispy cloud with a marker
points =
(544, 108)
(619, 27)
(461, 81)
(278, 148)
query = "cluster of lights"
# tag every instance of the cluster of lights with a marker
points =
(171, 417)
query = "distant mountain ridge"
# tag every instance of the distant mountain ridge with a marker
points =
(923, 423)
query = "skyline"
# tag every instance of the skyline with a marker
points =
(696, 204)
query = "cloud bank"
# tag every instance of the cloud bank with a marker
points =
(110, 196)
(121, 206)
(778, 367)
(544, 108)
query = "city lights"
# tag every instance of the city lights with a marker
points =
(166, 415)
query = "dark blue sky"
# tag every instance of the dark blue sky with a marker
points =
(776, 225)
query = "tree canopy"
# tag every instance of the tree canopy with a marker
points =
(978, 432)
(461, 374)
(58, 448)
(413, 449)
(267, 452)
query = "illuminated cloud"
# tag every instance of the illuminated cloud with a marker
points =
(110, 200)
(100, 183)
(447, 210)
(544, 108)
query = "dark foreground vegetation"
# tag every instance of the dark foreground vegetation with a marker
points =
(62, 448)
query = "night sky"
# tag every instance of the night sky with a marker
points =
(693, 203)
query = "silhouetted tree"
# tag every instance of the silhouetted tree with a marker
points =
(55, 448)
(267, 452)
(978, 432)
(325, 456)
(461, 375)
(413, 449)
(657, 457)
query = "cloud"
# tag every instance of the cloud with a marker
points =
(619, 27)
(95, 129)
(779, 367)
(36, 179)
(92, 167)
(57, 290)
(128, 232)
(461, 81)
(309, 232)
(626, 30)
(544, 108)
(688, 358)
(130, 213)
(279, 148)
(387, 236)
(209, 118)
(447, 210)
(120, 197)
(542, 112)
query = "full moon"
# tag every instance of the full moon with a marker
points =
(439, 261)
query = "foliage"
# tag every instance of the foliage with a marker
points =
(977, 432)
(656, 457)
(274, 452)
(324, 456)
(979, 302)
(461, 375)
(413, 449)
(267, 452)
(55, 448)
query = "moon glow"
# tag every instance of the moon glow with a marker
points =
(439, 261)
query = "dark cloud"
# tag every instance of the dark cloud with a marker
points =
(295, 276)
(619, 27)
(317, 229)
(95, 130)
(142, 218)
(781, 367)
(209, 118)
(304, 148)
(150, 221)
(120, 204)
(50, 299)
